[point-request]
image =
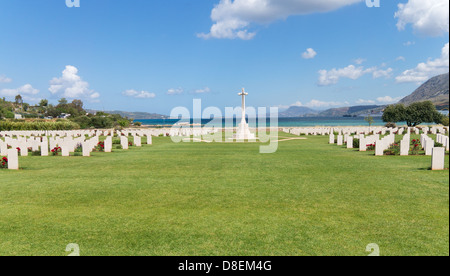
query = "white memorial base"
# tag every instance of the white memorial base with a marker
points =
(243, 133)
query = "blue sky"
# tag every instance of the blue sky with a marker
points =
(155, 55)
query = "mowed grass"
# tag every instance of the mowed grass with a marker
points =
(308, 198)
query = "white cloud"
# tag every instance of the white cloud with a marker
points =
(363, 102)
(139, 94)
(309, 54)
(426, 70)
(72, 86)
(388, 100)
(175, 91)
(400, 58)
(428, 17)
(26, 90)
(233, 18)
(379, 100)
(360, 61)
(382, 73)
(203, 90)
(409, 43)
(333, 76)
(320, 104)
(4, 79)
(330, 77)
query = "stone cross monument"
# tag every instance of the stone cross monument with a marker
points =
(243, 132)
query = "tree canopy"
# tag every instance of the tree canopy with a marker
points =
(414, 114)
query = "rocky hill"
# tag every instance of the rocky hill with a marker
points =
(297, 111)
(351, 111)
(435, 90)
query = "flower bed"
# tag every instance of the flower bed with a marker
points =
(100, 147)
(393, 150)
(4, 163)
(56, 151)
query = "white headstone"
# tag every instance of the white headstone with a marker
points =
(362, 144)
(86, 149)
(404, 147)
(13, 159)
(429, 145)
(108, 144)
(438, 159)
(124, 142)
(331, 140)
(350, 142)
(44, 147)
(23, 150)
(65, 150)
(340, 140)
(137, 141)
(379, 148)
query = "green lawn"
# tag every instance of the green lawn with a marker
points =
(309, 198)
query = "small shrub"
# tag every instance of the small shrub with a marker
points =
(36, 153)
(391, 125)
(438, 145)
(393, 150)
(356, 143)
(79, 149)
(119, 147)
(371, 147)
(415, 148)
(445, 121)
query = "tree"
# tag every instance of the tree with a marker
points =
(369, 119)
(43, 103)
(422, 112)
(445, 121)
(19, 100)
(63, 101)
(394, 113)
(414, 115)
(78, 105)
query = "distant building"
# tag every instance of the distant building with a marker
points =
(48, 118)
(64, 116)
(18, 117)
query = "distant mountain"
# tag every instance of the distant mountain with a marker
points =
(435, 90)
(352, 111)
(133, 115)
(297, 111)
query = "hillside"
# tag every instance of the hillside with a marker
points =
(436, 90)
(297, 111)
(134, 115)
(351, 111)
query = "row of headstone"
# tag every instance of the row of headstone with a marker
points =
(369, 140)
(68, 141)
(427, 144)
(363, 130)
(384, 144)
(437, 153)
(444, 140)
